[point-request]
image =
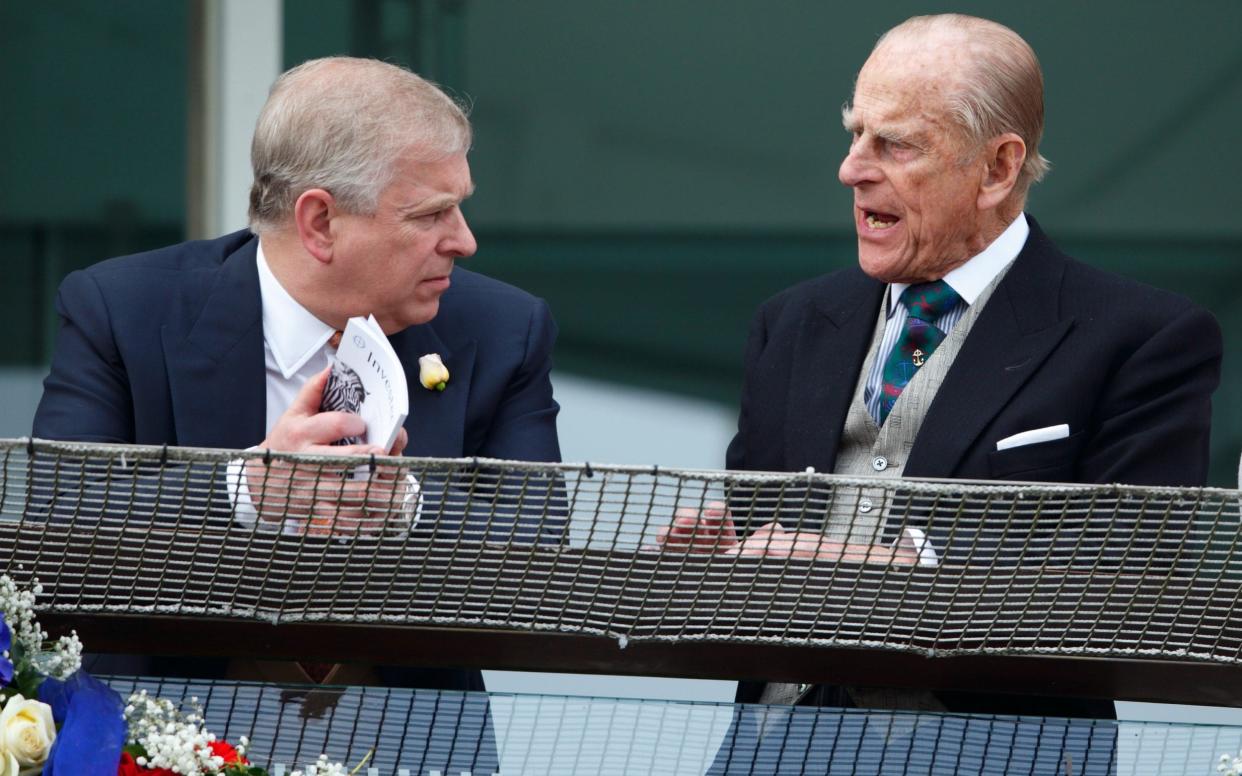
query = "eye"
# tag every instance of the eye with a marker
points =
(427, 218)
(897, 149)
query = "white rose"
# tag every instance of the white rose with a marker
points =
(27, 731)
(8, 765)
(432, 372)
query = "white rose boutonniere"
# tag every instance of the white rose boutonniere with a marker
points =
(26, 735)
(432, 373)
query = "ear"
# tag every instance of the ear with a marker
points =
(1003, 158)
(312, 214)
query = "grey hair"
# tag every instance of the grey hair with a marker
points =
(1002, 89)
(340, 124)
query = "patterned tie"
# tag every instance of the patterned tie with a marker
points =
(926, 302)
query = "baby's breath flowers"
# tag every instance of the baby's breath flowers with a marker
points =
(61, 659)
(168, 738)
(161, 735)
(1230, 765)
(322, 767)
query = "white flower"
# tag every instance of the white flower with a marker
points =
(321, 767)
(27, 731)
(432, 372)
(172, 739)
(8, 765)
(18, 608)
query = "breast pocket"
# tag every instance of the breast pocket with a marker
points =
(1051, 461)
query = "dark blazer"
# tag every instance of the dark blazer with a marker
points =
(1129, 367)
(166, 347)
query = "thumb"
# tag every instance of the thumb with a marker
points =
(310, 397)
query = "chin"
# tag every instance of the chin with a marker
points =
(881, 268)
(424, 313)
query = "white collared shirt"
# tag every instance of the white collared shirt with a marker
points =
(295, 343)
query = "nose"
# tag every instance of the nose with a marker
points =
(857, 167)
(459, 242)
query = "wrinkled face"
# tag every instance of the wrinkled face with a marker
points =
(915, 198)
(395, 264)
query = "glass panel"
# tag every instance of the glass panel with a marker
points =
(428, 731)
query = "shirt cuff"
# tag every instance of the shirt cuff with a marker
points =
(915, 540)
(244, 511)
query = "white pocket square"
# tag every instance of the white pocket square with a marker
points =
(1035, 435)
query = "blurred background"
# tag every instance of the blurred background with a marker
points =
(653, 168)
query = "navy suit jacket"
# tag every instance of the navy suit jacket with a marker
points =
(166, 347)
(1130, 368)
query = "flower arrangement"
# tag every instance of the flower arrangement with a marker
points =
(1230, 765)
(56, 720)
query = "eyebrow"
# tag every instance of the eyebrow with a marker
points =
(437, 202)
(890, 134)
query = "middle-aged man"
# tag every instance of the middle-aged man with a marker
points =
(962, 327)
(359, 176)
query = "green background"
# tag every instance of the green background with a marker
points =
(654, 169)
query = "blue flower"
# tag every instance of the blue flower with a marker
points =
(6, 643)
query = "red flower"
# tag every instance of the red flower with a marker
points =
(130, 767)
(230, 755)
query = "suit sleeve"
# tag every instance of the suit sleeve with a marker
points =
(524, 424)
(1154, 420)
(86, 396)
(736, 455)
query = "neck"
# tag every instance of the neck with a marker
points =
(296, 272)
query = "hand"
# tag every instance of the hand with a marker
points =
(324, 497)
(711, 530)
(342, 507)
(772, 540)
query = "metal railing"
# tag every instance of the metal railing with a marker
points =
(502, 564)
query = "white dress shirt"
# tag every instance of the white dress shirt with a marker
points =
(295, 343)
(295, 349)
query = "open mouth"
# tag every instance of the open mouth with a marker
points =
(879, 221)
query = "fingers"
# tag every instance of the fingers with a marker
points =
(309, 399)
(690, 531)
(331, 519)
(398, 447)
(324, 428)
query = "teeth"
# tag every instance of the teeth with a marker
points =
(876, 223)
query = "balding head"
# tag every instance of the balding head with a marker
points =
(992, 79)
(945, 116)
(340, 124)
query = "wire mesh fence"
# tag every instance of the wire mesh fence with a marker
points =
(425, 732)
(936, 568)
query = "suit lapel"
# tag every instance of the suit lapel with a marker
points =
(1016, 332)
(828, 354)
(437, 419)
(215, 366)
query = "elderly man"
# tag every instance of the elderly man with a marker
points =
(360, 172)
(965, 344)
